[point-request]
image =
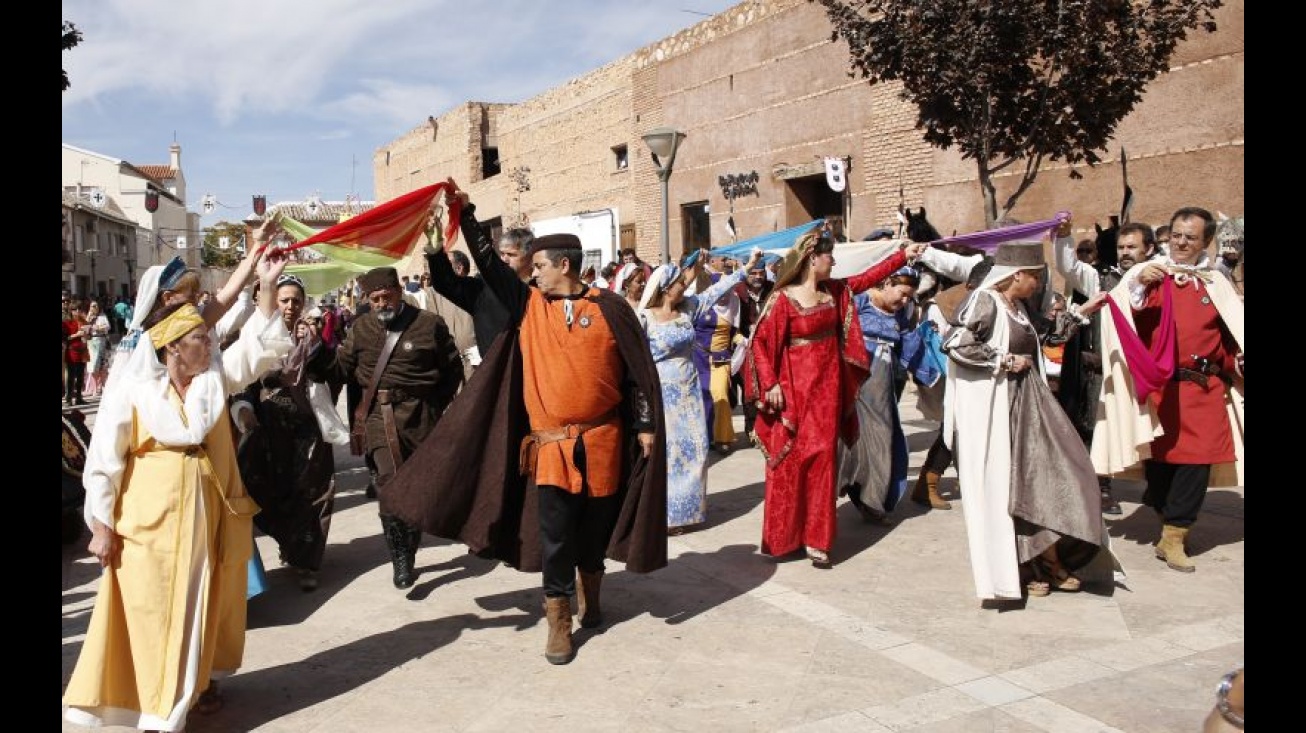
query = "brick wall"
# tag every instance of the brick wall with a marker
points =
(761, 87)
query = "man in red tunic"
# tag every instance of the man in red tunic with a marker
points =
(1193, 405)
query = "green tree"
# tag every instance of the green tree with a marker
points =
(1019, 81)
(71, 37)
(214, 254)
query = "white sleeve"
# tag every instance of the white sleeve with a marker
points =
(106, 456)
(1080, 275)
(262, 342)
(235, 316)
(948, 264)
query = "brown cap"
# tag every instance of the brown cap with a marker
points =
(555, 241)
(379, 278)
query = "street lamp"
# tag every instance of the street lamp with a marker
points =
(663, 142)
(92, 252)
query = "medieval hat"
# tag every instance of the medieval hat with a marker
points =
(555, 241)
(1013, 257)
(379, 278)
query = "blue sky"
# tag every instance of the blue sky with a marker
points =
(290, 98)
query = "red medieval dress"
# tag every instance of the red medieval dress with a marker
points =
(819, 359)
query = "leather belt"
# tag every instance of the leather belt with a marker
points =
(805, 340)
(1200, 373)
(393, 395)
(531, 443)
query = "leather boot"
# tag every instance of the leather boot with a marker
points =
(557, 610)
(587, 598)
(926, 491)
(1171, 549)
(397, 536)
(1109, 504)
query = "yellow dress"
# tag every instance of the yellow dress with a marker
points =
(171, 614)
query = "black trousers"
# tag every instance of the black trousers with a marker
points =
(76, 381)
(939, 457)
(574, 533)
(1176, 490)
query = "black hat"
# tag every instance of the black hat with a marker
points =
(379, 278)
(555, 241)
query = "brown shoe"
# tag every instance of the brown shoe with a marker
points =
(926, 491)
(1171, 549)
(558, 649)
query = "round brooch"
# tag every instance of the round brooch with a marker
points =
(584, 321)
(1206, 300)
(408, 346)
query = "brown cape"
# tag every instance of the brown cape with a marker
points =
(462, 482)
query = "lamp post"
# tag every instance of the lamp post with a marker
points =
(663, 142)
(92, 252)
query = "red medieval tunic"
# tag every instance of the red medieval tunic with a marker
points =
(1194, 417)
(818, 357)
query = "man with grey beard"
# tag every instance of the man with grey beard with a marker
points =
(406, 361)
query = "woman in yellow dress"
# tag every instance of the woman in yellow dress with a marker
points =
(170, 519)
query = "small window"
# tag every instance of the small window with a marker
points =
(621, 157)
(489, 162)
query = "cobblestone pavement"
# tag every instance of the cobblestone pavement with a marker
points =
(726, 639)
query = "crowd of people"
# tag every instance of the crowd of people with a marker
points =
(555, 418)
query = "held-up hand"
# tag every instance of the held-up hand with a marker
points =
(753, 259)
(775, 399)
(270, 268)
(454, 193)
(914, 249)
(1151, 274)
(1063, 229)
(105, 544)
(1093, 304)
(645, 443)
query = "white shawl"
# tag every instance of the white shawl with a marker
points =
(142, 392)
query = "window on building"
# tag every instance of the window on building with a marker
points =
(490, 166)
(621, 157)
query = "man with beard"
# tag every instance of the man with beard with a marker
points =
(1081, 370)
(406, 361)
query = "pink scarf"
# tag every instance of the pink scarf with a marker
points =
(1151, 367)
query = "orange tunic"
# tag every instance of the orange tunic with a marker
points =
(573, 375)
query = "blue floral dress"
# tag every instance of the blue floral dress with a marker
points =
(672, 344)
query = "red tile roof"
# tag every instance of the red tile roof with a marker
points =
(158, 172)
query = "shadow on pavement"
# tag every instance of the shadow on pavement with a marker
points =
(1219, 523)
(258, 698)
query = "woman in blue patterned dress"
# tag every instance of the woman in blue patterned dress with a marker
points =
(668, 317)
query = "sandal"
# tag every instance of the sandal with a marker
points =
(1038, 588)
(210, 701)
(1059, 578)
(820, 558)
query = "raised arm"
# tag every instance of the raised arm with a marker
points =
(875, 274)
(254, 253)
(498, 277)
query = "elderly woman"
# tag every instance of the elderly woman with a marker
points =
(629, 283)
(804, 368)
(1032, 505)
(667, 315)
(170, 522)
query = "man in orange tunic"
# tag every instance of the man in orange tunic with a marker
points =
(591, 462)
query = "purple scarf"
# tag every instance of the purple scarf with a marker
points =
(1150, 367)
(989, 239)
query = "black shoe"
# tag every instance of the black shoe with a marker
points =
(1110, 505)
(371, 490)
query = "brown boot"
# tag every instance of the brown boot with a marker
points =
(587, 598)
(1171, 549)
(558, 611)
(926, 491)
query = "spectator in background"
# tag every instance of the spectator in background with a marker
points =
(76, 353)
(97, 342)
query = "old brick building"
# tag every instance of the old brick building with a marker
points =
(762, 89)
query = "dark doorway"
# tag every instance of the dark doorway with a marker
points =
(810, 197)
(696, 228)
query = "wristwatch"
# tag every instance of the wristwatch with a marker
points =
(1233, 717)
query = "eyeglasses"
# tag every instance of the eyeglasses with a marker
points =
(1190, 238)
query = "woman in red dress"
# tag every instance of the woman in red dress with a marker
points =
(806, 362)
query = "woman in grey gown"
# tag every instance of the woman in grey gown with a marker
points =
(1032, 505)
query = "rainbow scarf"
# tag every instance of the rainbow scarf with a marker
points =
(379, 237)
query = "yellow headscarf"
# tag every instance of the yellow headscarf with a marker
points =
(792, 262)
(179, 323)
